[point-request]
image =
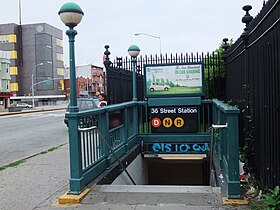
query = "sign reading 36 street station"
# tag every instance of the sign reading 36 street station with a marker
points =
(174, 119)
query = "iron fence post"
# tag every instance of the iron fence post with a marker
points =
(107, 63)
(245, 38)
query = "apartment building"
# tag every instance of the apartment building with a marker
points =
(5, 79)
(90, 81)
(35, 49)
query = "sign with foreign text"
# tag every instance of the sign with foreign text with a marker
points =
(174, 119)
(174, 79)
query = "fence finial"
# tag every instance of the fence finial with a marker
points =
(106, 59)
(246, 19)
(225, 46)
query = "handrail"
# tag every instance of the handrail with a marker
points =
(226, 116)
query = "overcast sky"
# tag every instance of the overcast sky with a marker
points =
(183, 25)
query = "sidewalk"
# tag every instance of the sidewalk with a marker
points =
(33, 182)
(42, 179)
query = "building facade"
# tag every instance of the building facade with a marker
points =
(5, 79)
(90, 81)
(35, 49)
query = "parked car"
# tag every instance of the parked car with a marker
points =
(159, 86)
(23, 105)
(83, 104)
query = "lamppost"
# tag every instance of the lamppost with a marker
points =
(134, 51)
(157, 37)
(32, 77)
(71, 15)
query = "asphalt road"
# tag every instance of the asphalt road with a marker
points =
(26, 134)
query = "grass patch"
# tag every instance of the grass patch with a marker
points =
(10, 165)
(51, 149)
(16, 163)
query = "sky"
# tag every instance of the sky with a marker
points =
(184, 26)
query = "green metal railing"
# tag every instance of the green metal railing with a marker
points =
(90, 155)
(227, 145)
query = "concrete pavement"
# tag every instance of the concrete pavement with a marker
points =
(42, 179)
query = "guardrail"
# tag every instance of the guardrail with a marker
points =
(89, 154)
(227, 145)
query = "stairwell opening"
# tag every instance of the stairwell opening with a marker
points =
(158, 171)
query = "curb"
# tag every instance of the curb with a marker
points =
(30, 111)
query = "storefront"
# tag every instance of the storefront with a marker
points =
(5, 99)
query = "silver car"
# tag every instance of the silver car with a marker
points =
(24, 105)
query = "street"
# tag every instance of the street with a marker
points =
(26, 134)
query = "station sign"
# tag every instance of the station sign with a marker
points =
(174, 119)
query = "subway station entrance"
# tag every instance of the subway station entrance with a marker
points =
(173, 130)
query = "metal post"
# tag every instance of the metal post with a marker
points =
(71, 15)
(107, 63)
(134, 60)
(157, 37)
(234, 190)
(32, 86)
(32, 83)
(76, 180)
(71, 33)
(134, 98)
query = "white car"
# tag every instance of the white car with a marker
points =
(159, 86)
(24, 105)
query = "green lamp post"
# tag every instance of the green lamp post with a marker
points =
(71, 15)
(134, 51)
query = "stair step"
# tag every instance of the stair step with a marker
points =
(159, 189)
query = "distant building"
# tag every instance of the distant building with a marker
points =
(30, 45)
(5, 79)
(89, 81)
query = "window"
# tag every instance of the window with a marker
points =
(10, 38)
(13, 54)
(13, 70)
(14, 86)
(4, 38)
(59, 42)
(60, 71)
(59, 56)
